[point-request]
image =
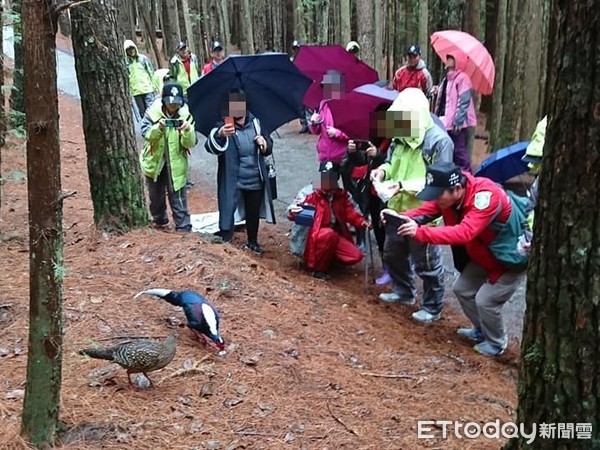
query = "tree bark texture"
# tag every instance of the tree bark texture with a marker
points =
(490, 41)
(2, 107)
(424, 27)
(345, 30)
(323, 22)
(126, 19)
(247, 44)
(170, 26)
(44, 357)
(474, 18)
(560, 369)
(366, 30)
(17, 100)
(113, 168)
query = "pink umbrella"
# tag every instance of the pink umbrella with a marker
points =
(468, 52)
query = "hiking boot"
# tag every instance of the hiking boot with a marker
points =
(425, 317)
(320, 275)
(384, 278)
(471, 333)
(392, 297)
(254, 247)
(486, 348)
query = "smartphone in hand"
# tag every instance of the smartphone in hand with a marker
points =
(392, 223)
(229, 121)
(361, 144)
(173, 123)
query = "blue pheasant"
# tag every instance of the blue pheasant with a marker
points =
(202, 317)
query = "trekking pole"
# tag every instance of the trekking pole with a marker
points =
(370, 252)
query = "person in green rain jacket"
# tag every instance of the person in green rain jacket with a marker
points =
(141, 77)
(418, 143)
(168, 131)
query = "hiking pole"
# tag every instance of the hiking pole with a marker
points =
(370, 252)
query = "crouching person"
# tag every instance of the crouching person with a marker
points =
(168, 131)
(329, 238)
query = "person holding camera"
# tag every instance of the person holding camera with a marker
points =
(169, 135)
(418, 143)
(243, 189)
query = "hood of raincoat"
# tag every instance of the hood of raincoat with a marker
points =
(413, 100)
(128, 44)
(536, 146)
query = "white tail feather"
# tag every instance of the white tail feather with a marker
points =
(157, 291)
(210, 317)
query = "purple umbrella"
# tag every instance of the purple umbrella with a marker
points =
(352, 113)
(315, 60)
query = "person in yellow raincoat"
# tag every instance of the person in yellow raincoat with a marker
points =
(419, 142)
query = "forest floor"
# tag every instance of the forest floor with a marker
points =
(309, 364)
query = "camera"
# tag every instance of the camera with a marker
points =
(173, 123)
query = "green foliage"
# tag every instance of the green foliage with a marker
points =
(224, 286)
(16, 119)
(7, 88)
(10, 16)
(17, 175)
(18, 132)
(59, 270)
(534, 354)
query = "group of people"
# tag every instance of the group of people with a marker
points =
(409, 171)
(414, 175)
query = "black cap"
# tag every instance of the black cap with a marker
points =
(440, 176)
(172, 94)
(181, 46)
(329, 166)
(216, 46)
(413, 49)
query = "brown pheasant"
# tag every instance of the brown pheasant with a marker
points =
(138, 356)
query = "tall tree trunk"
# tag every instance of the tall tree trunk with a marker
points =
(170, 26)
(113, 168)
(259, 25)
(491, 43)
(126, 19)
(378, 44)
(185, 26)
(474, 18)
(247, 45)
(42, 392)
(532, 70)
(323, 22)
(366, 30)
(64, 25)
(224, 28)
(150, 33)
(503, 79)
(299, 23)
(424, 26)
(345, 20)
(560, 356)
(17, 100)
(409, 22)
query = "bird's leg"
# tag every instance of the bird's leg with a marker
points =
(129, 379)
(149, 380)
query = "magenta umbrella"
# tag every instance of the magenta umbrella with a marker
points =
(315, 60)
(351, 114)
(470, 55)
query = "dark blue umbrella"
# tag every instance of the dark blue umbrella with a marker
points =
(273, 84)
(504, 164)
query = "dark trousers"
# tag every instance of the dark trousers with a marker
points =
(143, 102)
(375, 207)
(252, 202)
(157, 194)
(461, 149)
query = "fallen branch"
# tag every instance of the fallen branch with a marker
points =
(195, 369)
(341, 422)
(254, 433)
(389, 375)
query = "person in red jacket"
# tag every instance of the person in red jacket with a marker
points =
(414, 73)
(217, 55)
(329, 238)
(469, 207)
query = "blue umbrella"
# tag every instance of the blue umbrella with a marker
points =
(273, 84)
(504, 164)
